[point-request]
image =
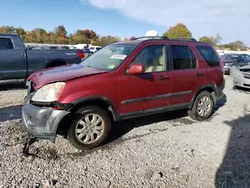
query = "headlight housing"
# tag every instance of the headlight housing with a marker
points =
(49, 92)
(237, 72)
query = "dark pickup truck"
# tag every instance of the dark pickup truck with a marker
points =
(18, 62)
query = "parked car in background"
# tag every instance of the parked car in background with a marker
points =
(87, 52)
(231, 60)
(241, 76)
(146, 77)
(18, 62)
(94, 48)
(243, 59)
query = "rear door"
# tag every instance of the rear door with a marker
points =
(12, 60)
(186, 76)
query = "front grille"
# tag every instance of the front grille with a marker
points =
(247, 77)
(248, 85)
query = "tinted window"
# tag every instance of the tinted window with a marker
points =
(183, 57)
(209, 55)
(5, 44)
(153, 58)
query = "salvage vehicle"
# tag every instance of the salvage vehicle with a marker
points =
(18, 61)
(241, 77)
(150, 76)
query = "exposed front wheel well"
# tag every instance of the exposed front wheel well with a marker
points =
(99, 103)
(55, 64)
(65, 124)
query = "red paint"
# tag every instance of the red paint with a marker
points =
(120, 85)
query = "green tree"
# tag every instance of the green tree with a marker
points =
(60, 31)
(102, 41)
(217, 39)
(79, 39)
(212, 40)
(7, 29)
(178, 31)
(21, 32)
(207, 39)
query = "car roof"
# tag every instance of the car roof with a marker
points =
(139, 40)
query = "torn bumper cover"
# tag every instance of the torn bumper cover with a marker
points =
(42, 122)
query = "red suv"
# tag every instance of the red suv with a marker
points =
(120, 81)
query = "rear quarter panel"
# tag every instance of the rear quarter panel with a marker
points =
(214, 74)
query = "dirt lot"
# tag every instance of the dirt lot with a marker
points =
(168, 150)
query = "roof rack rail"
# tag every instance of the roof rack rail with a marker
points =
(185, 39)
(166, 38)
(150, 37)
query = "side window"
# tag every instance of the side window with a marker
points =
(153, 58)
(6, 44)
(209, 55)
(183, 57)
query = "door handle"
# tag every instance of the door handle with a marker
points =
(163, 77)
(200, 74)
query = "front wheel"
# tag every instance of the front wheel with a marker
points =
(203, 107)
(90, 128)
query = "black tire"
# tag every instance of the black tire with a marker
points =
(81, 113)
(193, 112)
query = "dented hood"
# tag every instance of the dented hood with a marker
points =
(62, 73)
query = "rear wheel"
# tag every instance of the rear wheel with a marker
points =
(90, 128)
(203, 107)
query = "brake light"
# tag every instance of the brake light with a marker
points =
(80, 54)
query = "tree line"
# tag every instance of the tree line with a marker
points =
(88, 36)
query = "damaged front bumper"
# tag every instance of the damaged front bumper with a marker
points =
(41, 122)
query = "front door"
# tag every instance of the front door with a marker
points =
(150, 89)
(185, 75)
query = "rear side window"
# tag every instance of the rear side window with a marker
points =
(209, 55)
(6, 44)
(183, 57)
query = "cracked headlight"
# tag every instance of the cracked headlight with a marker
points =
(49, 92)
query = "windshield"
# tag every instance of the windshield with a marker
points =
(109, 57)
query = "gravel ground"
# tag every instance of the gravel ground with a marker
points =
(168, 150)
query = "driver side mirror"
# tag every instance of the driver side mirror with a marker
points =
(136, 69)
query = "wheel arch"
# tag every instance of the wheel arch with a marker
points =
(210, 88)
(102, 102)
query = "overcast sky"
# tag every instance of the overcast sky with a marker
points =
(229, 18)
